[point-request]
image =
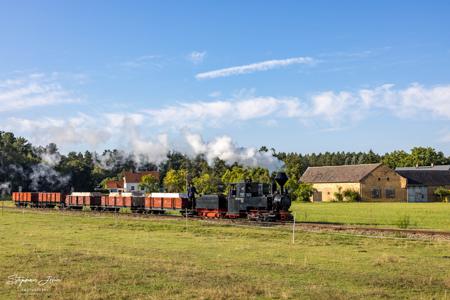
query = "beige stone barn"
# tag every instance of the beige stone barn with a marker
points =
(373, 182)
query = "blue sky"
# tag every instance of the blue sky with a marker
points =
(296, 76)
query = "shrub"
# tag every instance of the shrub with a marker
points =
(443, 193)
(125, 210)
(338, 196)
(86, 208)
(303, 192)
(404, 222)
(351, 195)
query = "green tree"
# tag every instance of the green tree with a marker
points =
(235, 174)
(175, 181)
(259, 174)
(149, 183)
(206, 184)
(425, 156)
(303, 192)
(443, 193)
(396, 159)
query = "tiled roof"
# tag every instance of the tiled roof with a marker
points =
(131, 177)
(330, 174)
(114, 184)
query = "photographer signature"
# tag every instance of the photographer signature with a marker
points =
(19, 280)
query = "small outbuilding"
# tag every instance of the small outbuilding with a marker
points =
(373, 182)
(422, 181)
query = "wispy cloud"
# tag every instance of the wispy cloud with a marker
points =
(33, 90)
(255, 67)
(142, 61)
(196, 57)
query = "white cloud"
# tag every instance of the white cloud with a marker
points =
(217, 113)
(215, 94)
(336, 108)
(80, 129)
(132, 130)
(197, 57)
(224, 148)
(260, 66)
(32, 91)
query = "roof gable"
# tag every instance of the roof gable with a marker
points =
(334, 174)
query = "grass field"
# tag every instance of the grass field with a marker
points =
(117, 257)
(420, 215)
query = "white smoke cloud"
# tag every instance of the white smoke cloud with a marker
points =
(5, 188)
(45, 173)
(224, 148)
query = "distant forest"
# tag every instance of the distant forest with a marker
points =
(43, 168)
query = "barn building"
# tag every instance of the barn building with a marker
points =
(424, 180)
(130, 182)
(373, 182)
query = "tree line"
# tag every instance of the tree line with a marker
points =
(45, 169)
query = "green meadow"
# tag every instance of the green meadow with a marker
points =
(420, 215)
(82, 256)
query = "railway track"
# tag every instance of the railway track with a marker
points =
(303, 226)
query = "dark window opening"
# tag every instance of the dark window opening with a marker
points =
(390, 193)
(376, 193)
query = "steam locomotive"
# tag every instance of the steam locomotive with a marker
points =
(251, 200)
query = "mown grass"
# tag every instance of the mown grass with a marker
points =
(419, 215)
(110, 257)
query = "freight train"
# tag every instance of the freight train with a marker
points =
(252, 200)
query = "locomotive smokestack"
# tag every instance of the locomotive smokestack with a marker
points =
(281, 178)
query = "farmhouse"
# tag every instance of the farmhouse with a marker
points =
(373, 182)
(130, 182)
(424, 180)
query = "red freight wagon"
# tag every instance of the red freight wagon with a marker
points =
(135, 201)
(167, 201)
(49, 199)
(25, 198)
(80, 199)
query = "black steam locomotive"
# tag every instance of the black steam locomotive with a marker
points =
(252, 200)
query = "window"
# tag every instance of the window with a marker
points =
(390, 193)
(376, 193)
(387, 179)
(132, 188)
(379, 178)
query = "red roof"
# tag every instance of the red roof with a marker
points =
(114, 184)
(136, 177)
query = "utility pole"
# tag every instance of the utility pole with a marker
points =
(293, 231)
